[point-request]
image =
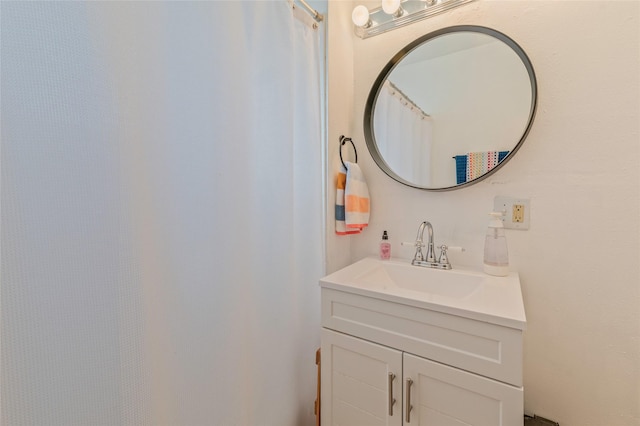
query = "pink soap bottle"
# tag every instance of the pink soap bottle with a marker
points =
(385, 247)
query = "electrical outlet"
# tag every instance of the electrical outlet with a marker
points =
(516, 211)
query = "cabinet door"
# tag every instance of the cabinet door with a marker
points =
(359, 382)
(446, 396)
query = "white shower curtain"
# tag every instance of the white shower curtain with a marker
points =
(403, 135)
(161, 213)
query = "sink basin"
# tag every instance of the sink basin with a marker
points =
(394, 275)
(462, 292)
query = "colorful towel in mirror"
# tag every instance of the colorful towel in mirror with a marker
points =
(472, 165)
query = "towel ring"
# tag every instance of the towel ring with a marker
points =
(344, 140)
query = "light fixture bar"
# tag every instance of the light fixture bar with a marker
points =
(414, 10)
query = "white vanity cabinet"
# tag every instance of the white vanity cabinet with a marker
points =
(369, 384)
(441, 369)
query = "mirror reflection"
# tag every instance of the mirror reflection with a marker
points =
(450, 108)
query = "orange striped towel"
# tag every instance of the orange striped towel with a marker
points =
(352, 200)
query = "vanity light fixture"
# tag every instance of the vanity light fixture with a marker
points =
(397, 13)
(360, 17)
(392, 7)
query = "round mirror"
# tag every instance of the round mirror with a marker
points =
(450, 108)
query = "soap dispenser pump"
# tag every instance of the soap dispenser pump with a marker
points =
(496, 256)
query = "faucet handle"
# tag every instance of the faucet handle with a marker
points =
(412, 243)
(444, 259)
(418, 244)
(452, 248)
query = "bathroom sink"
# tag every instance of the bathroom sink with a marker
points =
(462, 292)
(394, 275)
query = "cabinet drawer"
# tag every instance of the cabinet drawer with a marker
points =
(487, 349)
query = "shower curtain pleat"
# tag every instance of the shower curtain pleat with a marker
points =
(404, 136)
(162, 230)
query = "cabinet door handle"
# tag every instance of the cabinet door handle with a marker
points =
(392, 400)
(409, 407)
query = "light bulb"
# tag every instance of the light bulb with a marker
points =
(390, 6)
(360, 16)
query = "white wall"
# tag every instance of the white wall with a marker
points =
(340, 120)
(579, 261)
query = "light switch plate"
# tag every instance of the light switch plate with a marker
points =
(517, 211)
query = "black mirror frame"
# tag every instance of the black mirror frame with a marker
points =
(386, 71)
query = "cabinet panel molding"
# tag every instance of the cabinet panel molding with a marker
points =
(444, 395)
(355, 381)
(487, 349)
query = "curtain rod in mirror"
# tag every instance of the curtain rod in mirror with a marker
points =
(397, 13)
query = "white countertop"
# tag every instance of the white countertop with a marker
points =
(466, 293)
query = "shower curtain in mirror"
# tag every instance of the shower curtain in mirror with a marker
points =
(161, 213)
(403, 135)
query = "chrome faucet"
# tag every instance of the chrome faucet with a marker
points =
(429, 259)
(419, 257)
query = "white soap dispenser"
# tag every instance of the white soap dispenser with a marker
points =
(496, 256)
